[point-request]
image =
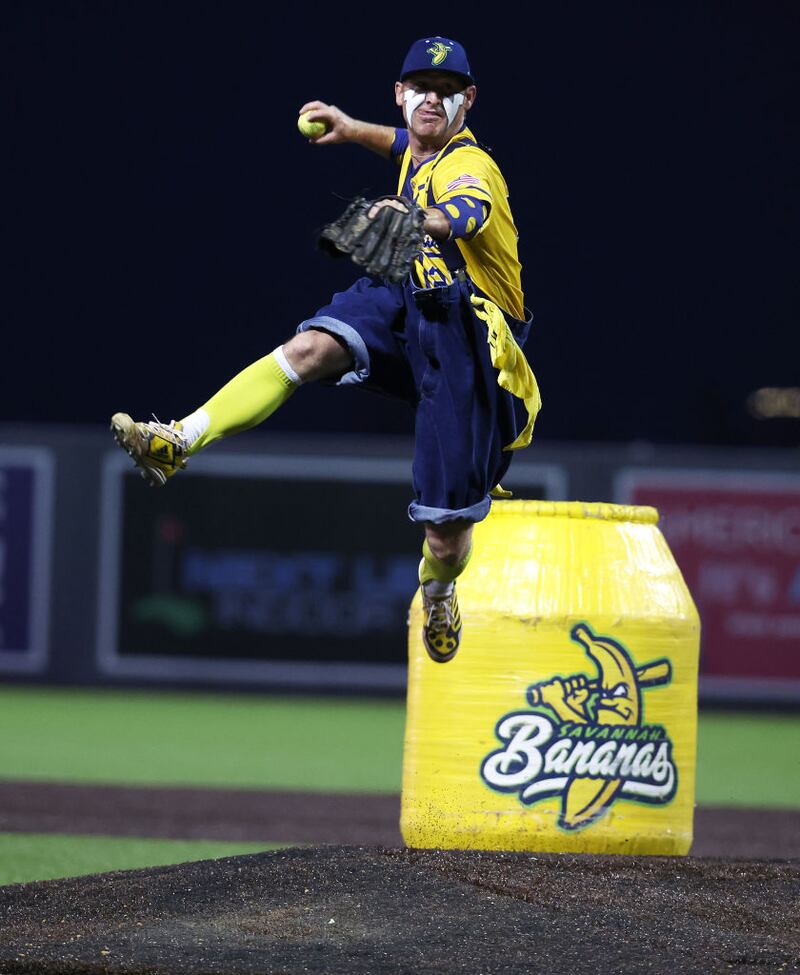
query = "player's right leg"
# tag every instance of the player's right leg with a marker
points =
(160, 449)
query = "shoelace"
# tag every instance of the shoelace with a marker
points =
(439, 614)
(164, 428)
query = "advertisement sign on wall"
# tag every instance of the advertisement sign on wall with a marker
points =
(26, 496)
(736, 537)
(286, 570)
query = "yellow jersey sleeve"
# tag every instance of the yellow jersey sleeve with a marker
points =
(491, 255)
(463, 173)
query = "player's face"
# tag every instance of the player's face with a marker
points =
(429, 120)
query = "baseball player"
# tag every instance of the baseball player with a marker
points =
(447, 338)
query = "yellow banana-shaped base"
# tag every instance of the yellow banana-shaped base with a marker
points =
(567, 721)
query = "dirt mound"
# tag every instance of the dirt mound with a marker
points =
(358, 910)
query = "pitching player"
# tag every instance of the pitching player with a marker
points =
(447, 339)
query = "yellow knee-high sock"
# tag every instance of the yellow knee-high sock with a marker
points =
(431, 568)
(247, 400)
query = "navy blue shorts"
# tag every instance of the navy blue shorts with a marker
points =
(427, 347)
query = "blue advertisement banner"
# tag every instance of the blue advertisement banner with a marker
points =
(284, 570)
(25, 520)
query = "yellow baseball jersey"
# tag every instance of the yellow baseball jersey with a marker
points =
(467, 175)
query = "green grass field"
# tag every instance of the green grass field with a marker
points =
(46, 856)
(157, 738)
(261, 742)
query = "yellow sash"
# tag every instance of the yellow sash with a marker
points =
(514, 373)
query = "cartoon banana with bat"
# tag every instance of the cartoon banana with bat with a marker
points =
(618, 702)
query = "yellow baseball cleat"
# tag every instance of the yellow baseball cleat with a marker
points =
(441, 632)
(157, 449)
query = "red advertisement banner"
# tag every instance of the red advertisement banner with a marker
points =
(736, 538)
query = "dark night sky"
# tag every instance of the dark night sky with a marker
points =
(159, 206)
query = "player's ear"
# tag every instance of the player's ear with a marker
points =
(398, 93)
(470, 95)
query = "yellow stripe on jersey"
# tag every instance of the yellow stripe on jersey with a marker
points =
(463, 168)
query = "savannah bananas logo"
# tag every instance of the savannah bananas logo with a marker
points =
(595, 749)
(438, 52)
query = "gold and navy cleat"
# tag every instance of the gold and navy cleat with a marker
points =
(157, 449)
(441, 631)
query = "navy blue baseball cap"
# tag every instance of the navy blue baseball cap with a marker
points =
(437, 54)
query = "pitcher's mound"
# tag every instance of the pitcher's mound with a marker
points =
(360, 911)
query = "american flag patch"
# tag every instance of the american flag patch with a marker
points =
(464, 180)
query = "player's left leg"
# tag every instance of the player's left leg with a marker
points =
(445, 554)
(463, 421)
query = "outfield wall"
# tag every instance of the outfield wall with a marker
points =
(287, 562)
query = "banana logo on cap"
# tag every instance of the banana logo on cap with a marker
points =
(599, 750)
(439, 52)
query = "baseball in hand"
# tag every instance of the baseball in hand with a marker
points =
(312, 130)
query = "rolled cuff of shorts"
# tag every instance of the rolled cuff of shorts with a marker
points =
(352, 339)
(440, 516)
